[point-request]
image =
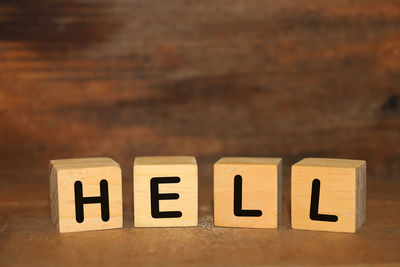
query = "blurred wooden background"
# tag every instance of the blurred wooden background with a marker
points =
(205, 78)
(122, 78)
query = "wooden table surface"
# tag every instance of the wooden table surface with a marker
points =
(28, 237)
(212, 78)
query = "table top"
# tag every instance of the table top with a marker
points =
(27, 236)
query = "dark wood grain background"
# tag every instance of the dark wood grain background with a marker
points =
(205, 78)
(210, 78)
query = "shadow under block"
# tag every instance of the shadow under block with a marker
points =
(259, 180)
(165, 192)
(85, 194)
(325, 190)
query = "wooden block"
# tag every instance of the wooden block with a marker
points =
(165, 191)
(329, 194)
(85, 194)
(247, 192)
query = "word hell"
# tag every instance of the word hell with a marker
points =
(327, 194)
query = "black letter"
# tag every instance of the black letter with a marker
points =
(315, 203)
(237, 201)
(156, 197)
(102, 199)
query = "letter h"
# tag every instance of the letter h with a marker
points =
(102, 199)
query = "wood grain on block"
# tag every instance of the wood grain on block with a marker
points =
(85, 194)
(165, 191)
(328, 194)
(247, 192)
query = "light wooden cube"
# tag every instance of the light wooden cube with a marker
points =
(257, 200)
(165, 191)
(85, 194)
(328, 194)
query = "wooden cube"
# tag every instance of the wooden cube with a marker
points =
(85, 194)
(247, 192)
(165, 191)
(328, 194)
